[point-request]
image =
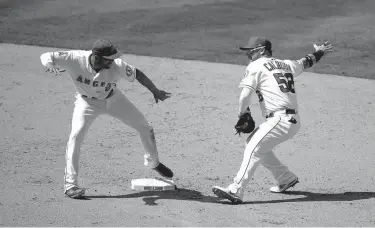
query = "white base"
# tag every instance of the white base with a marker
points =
(151, 184)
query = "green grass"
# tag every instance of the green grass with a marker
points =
(201, 30)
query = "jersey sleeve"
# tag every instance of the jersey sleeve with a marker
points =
(250, 79)
(296, 67)
(59, 58)
(127, 71)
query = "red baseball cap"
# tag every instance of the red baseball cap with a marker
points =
(105, 49)
(255, 42)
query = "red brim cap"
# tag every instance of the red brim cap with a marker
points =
(248, 48)
(256, 42)
(105, 49)
(114, 56)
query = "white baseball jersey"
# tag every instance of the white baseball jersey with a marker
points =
(86, 80)
(273, 81)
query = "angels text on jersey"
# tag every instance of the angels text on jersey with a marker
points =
(93, 83)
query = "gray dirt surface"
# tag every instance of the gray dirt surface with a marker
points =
(333, 154)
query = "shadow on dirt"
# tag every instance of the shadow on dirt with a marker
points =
(313, 197)
(150, 197)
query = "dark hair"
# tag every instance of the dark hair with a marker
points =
(268, 46)
(97, 58)
(269, 50)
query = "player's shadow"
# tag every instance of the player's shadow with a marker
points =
(313, 197)
(150, 197)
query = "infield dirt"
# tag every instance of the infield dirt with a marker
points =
(332, 154)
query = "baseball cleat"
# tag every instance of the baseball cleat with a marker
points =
(226, 194)
(75, 193)
(164, 170)
(284, 187)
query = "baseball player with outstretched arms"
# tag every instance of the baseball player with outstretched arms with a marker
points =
(273, 81)
(95, 74)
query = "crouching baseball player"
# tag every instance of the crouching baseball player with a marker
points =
(273, 81)
(95, 74)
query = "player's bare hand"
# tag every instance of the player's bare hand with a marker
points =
(52, 68)
(325, 47)
(160, 95)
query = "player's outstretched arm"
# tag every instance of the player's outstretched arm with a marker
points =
(49, 60)
(146, 82)
(320, 50)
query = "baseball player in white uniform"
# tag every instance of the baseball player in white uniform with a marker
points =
(273, 81)
(95, 74)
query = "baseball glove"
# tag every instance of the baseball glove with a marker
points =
(245, 124)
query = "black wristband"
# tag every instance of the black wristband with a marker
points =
(313, 58)
(318, 55)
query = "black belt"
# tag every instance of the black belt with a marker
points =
(110, 94)
(287, 111)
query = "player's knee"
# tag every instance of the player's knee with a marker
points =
(76, 136)
(146, 130)
(147, 134)
(150, 132)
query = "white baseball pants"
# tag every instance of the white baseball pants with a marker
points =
(85, 112)
(259, 148)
